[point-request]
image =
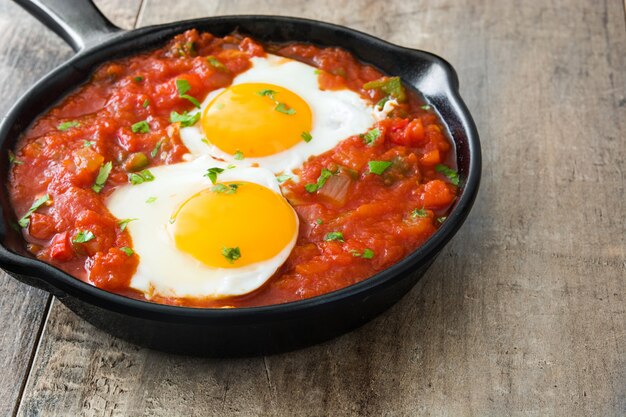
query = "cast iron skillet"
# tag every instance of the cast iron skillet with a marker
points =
(242, 331)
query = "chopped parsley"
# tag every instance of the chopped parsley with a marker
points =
(283, 178)
(319, 221)
(185, 119)
(225, 189)
(390, 85)
(212, 173)
(155, 151)
(138, 79)
(381, 103)
(83, 236)
(268, 93)
(146, 103)
(452, 175)
(425, 107)
(238, 155)
(282, 108)
(378, 167)
(231, 254)
(215, 63)
(141, 127)
(337, 236)
(366, 254)
(441, 219)
(419, 213)
(103, 175)
(88, 143)
(306, 136)
(370, 137)
(321, 180)
(67, 125)
(13, 159)
(140, 177)
(151, 200)
(317, 71)
(123, 223)
(23, 222)
(128, 251)
(183, 87)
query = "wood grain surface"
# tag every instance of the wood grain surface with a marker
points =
(523, 314)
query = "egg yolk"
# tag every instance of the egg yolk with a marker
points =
(234, 224)
(256, 119)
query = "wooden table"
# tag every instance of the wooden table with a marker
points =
(523, 314)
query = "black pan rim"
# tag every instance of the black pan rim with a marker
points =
(422, 255)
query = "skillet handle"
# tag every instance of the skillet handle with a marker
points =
(78, 22)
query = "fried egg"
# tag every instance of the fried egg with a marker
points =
(199, 239)
(275, 115)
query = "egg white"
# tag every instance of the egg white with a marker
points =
(163, 269)
(336, 114)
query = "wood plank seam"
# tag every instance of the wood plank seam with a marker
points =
(33, 355)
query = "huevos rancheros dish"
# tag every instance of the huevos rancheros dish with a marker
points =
(220, 172)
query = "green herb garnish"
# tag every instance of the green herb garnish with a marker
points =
(381, 103)
(425, 107)
(283, 178)
(225, 189)
(321, 180)
(13, 159)
(238, 155)
(146, 103)
(123, 223)
(138, 79)
(155, 151)
(452, 175)
(128, 251)
(103, 175)
(306, 136)
(216, 63)
(441, 219)
(212, 173)
(141, 127)
(231, 254)
(67, 125)
(88, 143)
(366, 254)
(140, 177)
(419, 213)
(23, 222)
(185, 119)
(370, 137)
(282, 108)
(183, 87)
(319, 221)
(268, 93)
(378, 167)
(338, 236)
(83, 236)
(390, 85)
(151, 200)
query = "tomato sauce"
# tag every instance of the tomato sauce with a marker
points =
(376, 220)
